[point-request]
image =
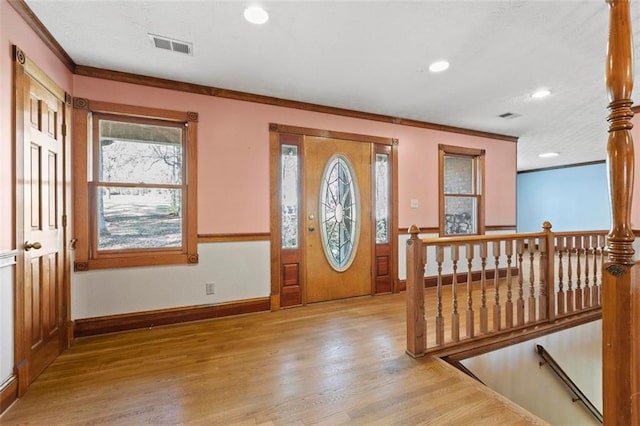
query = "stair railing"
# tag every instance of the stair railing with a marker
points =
(577, 393)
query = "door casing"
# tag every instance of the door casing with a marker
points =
(25, 74)
(288, 266)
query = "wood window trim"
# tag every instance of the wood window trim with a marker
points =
(478, 154)
(84, 259)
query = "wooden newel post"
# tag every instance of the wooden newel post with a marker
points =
(621, 279)
(620, 145)
(416, 324)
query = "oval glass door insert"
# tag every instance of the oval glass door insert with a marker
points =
(339, 220)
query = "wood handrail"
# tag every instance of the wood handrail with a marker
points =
(445, 241)
(585, 233)
(531, 292)
(575, 390)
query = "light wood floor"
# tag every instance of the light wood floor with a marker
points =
(333, 363)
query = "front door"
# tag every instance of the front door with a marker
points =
(337, 218)
(40, 206)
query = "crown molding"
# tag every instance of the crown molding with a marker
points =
(269, 100)
(564, 166)
(41, 31)
(38, 27)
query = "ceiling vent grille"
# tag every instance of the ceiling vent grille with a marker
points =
(173, 45)
(509, 115)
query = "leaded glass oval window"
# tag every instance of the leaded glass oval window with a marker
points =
(339, 221)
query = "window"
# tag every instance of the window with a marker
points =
(461, 188)
(135, 186)
(382, 189)
(290, 190)
(339, 215)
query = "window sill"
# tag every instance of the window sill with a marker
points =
(133, 261)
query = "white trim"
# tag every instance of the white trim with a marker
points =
(8, 258)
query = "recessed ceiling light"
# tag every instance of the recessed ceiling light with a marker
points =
(439, 66)
(548, 154)
(256, 15)
(542, 93)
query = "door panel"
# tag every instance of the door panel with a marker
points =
(324, 282)
(43, 269)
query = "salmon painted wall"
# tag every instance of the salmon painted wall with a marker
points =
(233, 156)
(13, 30)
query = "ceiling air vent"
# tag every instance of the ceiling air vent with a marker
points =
(509, 115)
(173, 45)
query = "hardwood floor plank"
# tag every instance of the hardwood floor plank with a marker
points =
(332, 363)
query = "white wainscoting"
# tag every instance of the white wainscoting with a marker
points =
(7, 271)
(240, 270)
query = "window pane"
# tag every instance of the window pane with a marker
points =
(135, 218)
(140, 153)
(290, 181)
(338, 213)
(382, 198)
(458, 175)
(460, 215)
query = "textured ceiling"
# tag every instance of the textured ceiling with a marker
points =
(373, 56)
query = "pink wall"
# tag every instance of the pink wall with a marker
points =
(233, 156)
(13, 30)
(233, 146)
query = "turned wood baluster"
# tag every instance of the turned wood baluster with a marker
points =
(547, 271)
(598, 290)
(542, 291)
(496, 287)
(520, 301)
(439, 317)
(587, 288)
(508, 251)
(532, 280)
(560, 245)
(470, 316)
(604, 256)
(569, 275)
(578, 290)
(455, 319)
(595, 291)
(484, 315)
(620, 277)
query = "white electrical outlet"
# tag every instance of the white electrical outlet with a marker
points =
(210, 288)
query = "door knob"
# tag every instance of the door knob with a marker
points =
(311, 229)
(28, 246)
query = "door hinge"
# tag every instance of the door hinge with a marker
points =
(64, 130)
(64, 220)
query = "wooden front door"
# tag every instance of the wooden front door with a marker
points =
(40, 204)
(337, 218)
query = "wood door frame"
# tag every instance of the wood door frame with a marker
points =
(25, 68)
(275, 132)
